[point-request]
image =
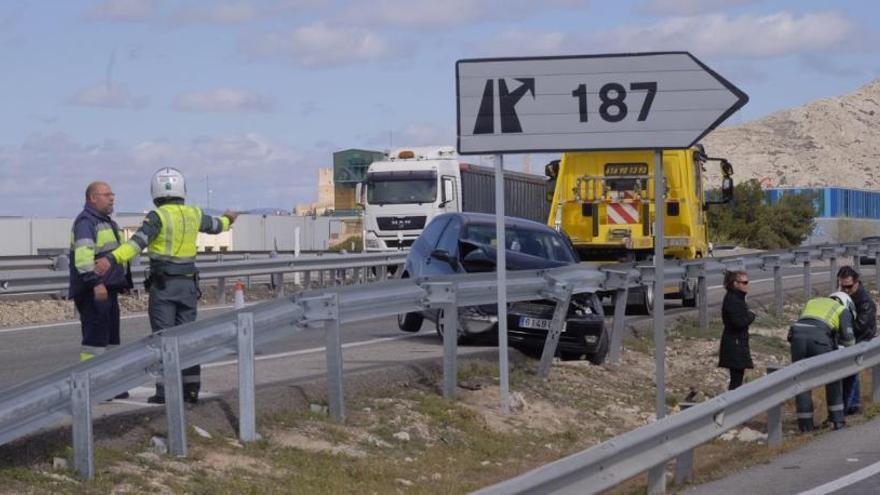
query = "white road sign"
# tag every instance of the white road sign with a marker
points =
(626, 101)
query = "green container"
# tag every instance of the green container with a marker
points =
(350, 166)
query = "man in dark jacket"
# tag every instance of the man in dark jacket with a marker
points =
(865, 327)
(735, 353)
(94, 235)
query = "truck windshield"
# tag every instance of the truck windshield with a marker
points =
(401, 187)
(548, 245)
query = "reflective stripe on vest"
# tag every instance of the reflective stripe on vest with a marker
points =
(177, 238)
(824, 309)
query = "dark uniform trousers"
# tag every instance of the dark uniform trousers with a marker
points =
(172, 305)
(100, 319)
(808, 339)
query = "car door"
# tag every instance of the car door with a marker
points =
(421, 250)
(448, 242)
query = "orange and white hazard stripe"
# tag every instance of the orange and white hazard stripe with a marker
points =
(623, 213)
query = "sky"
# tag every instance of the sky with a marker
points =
(249, 98)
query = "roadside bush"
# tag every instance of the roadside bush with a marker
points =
(749, 222)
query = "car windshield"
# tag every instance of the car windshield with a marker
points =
(401, 187)
(538, 243)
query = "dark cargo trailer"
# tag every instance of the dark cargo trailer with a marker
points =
(525, 195)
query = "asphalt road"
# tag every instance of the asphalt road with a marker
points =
(844, 462)
(32, 351)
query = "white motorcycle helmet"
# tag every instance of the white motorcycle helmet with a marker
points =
(843, 298)
(168, 183)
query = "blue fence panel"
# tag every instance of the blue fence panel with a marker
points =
(833, 202)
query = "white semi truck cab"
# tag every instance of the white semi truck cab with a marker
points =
(404, 192)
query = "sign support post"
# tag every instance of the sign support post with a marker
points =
(501, 271)
(657, 475)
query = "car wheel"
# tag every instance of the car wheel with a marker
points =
(601, 353)
(462, 337)
(410, 322)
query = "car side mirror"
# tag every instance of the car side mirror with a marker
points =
(441, 254)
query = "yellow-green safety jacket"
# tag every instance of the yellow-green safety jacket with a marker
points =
(169, 233)
(832, 313)
(94, 235)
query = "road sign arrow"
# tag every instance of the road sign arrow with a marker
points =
(507, 102)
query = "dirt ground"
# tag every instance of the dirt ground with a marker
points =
(403, 437)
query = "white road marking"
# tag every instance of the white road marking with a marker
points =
(845, 481)
(313, 350)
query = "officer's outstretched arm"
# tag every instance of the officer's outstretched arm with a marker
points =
(148, 231)
(215, 225)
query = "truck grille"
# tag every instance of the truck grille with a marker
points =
(393, 243)
(401, 223)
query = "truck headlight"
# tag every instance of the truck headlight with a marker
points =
(372, 243)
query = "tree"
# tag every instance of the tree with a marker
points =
(750, 222)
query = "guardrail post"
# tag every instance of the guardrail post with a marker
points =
(877, 268)
(777, 289)
(247, 280)
(442, 294)
(279, 285)
(557, 326)
(774, 416)
(808, 285)
(657, 480)
(334, 358)
(857, 261)
(83, 441)
(320, 278)
(221, 290)
(247, 417)
(703, 302)
(875, 384)
(173, 384)
(832, 273)
(684, 463)
(618, 324)
(307, 280)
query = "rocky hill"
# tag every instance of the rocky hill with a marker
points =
(829, 142)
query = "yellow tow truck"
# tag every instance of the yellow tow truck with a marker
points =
(604, 201)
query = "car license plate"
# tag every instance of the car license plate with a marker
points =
(536, 323)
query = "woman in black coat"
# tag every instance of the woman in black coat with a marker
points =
(735, 354)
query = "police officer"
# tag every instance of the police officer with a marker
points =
(94, 235)
(169, 234)
(865, 327)
(824, 323)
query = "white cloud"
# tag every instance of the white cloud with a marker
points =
(687, 7)
(222, 13)
(124, 10)
(771, 35)
(107, 95)
(450, 13)
(414, 134)
(246, 171)
(320, 45)
(228, 100)
(239, 11)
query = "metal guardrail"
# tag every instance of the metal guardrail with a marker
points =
(605, 465)
(17, 282)
(71, 392)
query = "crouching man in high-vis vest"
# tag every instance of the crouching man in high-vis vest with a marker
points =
(169, 234)
(825, 323)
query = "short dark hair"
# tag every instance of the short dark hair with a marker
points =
(731, 276)
(847, 271)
